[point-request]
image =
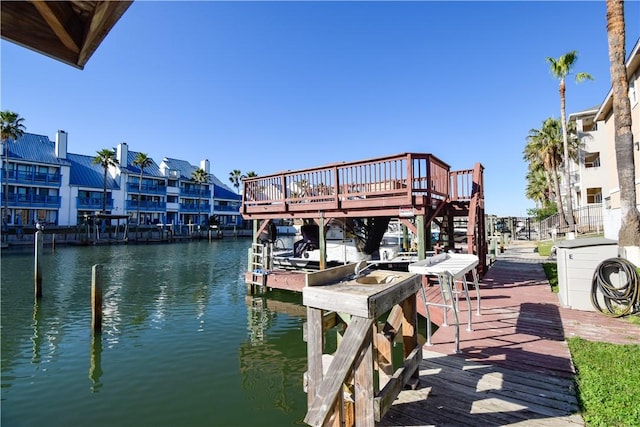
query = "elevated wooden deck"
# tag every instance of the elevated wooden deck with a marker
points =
(417, 188)
(400, 185)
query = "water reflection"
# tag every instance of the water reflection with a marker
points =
(95, 362)
(180, 342)
(263, 362)
(37, 336)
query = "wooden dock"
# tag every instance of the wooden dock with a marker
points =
(457, 392)
(515, 367)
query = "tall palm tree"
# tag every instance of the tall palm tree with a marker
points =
(629, 234)
(235, 176)
(143, 161)
(12, 128)
(105, 158)
(561, 68)
(199, 176)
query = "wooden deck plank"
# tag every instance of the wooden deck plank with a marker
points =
(457, 392)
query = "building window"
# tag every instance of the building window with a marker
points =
(592, 160)
(594, 195)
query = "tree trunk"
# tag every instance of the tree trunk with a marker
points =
(556, 187)
(629, 234)
(565, 145)
(104, 192)
(139, 196)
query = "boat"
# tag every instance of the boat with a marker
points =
(344, 244)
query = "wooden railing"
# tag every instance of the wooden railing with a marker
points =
(399, 179)
(358, 383)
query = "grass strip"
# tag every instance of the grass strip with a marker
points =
(608, 382)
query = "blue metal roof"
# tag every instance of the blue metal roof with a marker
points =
(224, 186)
(224, 193)
(85, 174)
(182, 166)
(186, 169)
(34, 148)
(153, 170)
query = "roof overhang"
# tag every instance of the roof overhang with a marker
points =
(69, 31)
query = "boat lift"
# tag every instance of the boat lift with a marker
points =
(415, 188)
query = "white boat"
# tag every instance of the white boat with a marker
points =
(342, 246)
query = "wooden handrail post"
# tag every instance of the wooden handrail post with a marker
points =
(322, 243)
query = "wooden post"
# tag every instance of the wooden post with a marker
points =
(322, 243)
(37, 271)
(53, 242)
(410, 330)
(96, 298)
(315, 348)
(422, 237)
(364, 392)
(256, 226)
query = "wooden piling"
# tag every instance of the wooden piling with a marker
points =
(96, 298)
(37, 270)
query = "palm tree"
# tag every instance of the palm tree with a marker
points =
(199, 176)
(235, 176)
(142, 161)
(629, 234)
(105, 158)
(251, 174)
(12, 128)
(561, 68)
(544, 147)
(538, 186)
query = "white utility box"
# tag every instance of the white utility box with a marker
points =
(577, 262)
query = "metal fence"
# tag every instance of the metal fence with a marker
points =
(588, 219)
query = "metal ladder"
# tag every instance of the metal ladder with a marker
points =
(258, 270)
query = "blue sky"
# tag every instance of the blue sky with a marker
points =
(272, 86)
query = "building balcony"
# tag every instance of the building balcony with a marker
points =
(224, 208)
(191, 192)
(33, 179)
(92, 204)
(145, 205)
(32, 201)
(132, 187)
(193, 208)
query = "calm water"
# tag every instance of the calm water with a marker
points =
(182, 343)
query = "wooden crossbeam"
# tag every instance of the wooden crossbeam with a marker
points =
(355, 337)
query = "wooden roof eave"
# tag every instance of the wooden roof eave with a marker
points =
(68, 31)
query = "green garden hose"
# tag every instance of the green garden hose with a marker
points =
(619, 300)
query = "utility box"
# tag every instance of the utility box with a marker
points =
(577, 262)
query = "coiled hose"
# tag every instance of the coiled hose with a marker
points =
(619, 300)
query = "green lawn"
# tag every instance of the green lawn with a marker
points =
(607, 375)
(608, 382)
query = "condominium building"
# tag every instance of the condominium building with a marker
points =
(43, 182)
(594, 178)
